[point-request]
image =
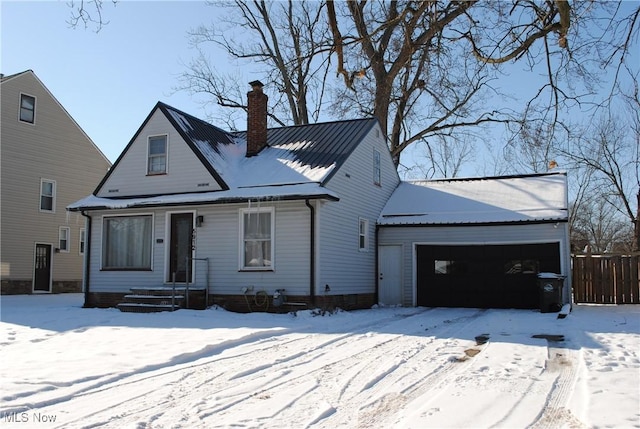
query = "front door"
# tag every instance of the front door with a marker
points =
(42, 268)
(181, 242)
(390, 275)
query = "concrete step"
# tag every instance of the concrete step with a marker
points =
(133, 307)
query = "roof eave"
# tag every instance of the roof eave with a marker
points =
(495, 223)
(218, 201)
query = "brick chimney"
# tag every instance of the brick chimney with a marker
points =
(256, 118)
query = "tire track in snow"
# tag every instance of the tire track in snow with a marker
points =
(382, 399)
(235, 353)
(282, 375)
(565, 362)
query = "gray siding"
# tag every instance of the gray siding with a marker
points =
(218, 240)
(54, 148)
(409, 237)
(184, 170)
(341, 264)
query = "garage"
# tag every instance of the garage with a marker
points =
(474, 242)
(483, 276)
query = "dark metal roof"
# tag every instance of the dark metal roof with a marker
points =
(315, 145)
(319, 145)
(194, 129)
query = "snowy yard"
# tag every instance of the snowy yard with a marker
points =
(64, 366)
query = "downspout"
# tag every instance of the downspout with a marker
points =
(377, 269)
(312, 254)
(87, 258)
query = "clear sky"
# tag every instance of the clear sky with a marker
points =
(108, 81)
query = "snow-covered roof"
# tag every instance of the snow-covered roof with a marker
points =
(530, 198)
(295, 164)
(295, 154)
(259, 193)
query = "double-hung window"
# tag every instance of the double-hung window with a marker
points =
(256, 236)
(83, 240)
(47, 195)
(63, 238)
(27, 108)
(126, 243)
(157, 159)
(376, 167)
(363, 235)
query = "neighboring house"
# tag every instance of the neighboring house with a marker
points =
(47, 163)
(474, 242)
(241, 214)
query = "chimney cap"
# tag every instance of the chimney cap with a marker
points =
(256, 83)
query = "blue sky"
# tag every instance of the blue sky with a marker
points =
(108, 81)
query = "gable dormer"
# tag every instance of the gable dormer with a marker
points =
(160, 159)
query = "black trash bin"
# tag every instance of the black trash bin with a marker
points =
(550, 287)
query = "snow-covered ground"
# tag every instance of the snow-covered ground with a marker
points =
(64, 366)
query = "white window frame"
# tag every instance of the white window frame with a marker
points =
(363, 234)
(33, 121)
(241, 239)
(82, 241)
(53, 195)
(377, 173)
(64, 233)
(104, 239)
(150, 156)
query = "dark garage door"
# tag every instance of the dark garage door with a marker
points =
(498, 276)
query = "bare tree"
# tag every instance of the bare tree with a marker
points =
(89, 13)
(607, 155)
(400, 46)
(283, 42)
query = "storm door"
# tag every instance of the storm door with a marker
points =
(42, 268)
(181, 247)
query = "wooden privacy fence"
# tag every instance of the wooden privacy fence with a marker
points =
(606, 279)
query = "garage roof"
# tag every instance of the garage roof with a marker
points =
(507, 199)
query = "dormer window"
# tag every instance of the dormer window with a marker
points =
(27, 108)
(157, 159)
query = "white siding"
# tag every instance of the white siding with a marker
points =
(218, 239)
(341, 264)
(185, 172)
(53, 148)
(409, 237)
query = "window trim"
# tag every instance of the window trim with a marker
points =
(103, 244)
(67, 246)
(166, 155)
(377, 169)
(82, 241)
(363, 236)
(53, 195)
(241, 239)
(33, 111)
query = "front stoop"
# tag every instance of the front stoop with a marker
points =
(152, 300)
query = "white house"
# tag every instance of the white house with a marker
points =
(313, 213)
(240, 215)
